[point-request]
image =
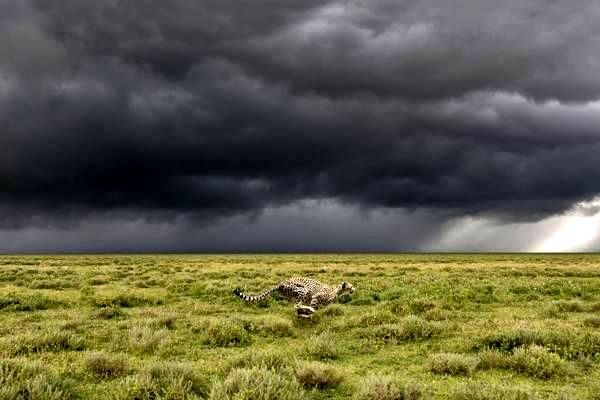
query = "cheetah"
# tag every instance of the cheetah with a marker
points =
(309, 294)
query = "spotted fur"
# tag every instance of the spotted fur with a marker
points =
(308, 294)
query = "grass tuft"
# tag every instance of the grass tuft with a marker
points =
(533, 360)
(226, 333)
(257, 384)
(145, 340)
(377, 387)
(269, 359)
(494, 359)
(165, 381)
(50, 341)
(21, 302)
(323, 346)
(537, 362)
(27, 381)
(453, 364)
(411, 328)
(485, 391)
(106, 366)
(511, 339)
(375, 318)
(318, 375)
(334, 310)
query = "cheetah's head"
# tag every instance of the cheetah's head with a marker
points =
(345, 287)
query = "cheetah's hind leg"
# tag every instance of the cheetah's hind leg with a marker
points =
(303, 311)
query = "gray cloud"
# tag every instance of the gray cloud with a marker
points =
(309, 226)
(196, 111)
(416, 49)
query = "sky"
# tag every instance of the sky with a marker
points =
(299, 125)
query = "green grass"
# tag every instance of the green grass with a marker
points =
(451, 326)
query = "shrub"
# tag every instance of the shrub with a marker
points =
(493, 359)
(147, 340)
(533, 360)
(509, 340)
(415, 328)
(318, 375)
(165, 381)
(375, 318)
(376, 387)
(562, 343)
(226, 333)
(537, 362)
(105, 365)
(165, 374)
(269, 359)
(20, 380)
(322, 346)
(257, 384)
(482, 391)
(333, 310)
(420, 306)
(14, 302)
(586, 345)
(452, 364)
(47, 341)
(410, 329)
(344, 299)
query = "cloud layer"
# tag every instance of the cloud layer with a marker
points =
(207, 109)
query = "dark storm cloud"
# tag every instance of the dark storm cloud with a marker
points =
(217, 108)
(303, 227)
(418, 49)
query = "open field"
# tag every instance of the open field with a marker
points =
(418, 327)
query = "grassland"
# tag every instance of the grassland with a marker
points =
(418, 327)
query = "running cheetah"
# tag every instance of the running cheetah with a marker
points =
(309, 294)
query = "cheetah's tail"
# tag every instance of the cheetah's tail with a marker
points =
(251, 298)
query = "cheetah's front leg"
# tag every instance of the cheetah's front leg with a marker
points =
(304, 311)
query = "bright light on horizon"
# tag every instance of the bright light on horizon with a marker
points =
(574, 234)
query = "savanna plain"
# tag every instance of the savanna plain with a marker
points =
(419, 326)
